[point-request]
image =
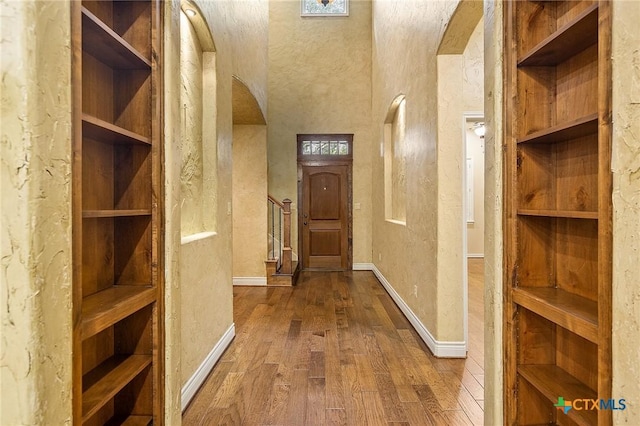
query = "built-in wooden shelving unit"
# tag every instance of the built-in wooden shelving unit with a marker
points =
(558, 210)
(117, 189)
(100, 130)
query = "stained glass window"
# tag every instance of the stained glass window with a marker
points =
(306, 148)
(333, 147)
(325, 148)
(344, 148)
(315, 148)
(324, 7)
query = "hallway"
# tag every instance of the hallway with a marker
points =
(336, 350)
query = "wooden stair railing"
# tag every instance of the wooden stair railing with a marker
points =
(280, 252)
(274, 230)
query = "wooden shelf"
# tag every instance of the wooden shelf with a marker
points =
(575, 313)
(107, 307)
(570, 39)
(581, 127)
(557, 250)
(104, 44)
(554, 382)
(115, 213)
(103, 131)
(569, 214)
(130, 421)
(102, 383)
(118, 346)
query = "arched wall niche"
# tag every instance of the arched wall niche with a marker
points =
(395, 169)
(198, 94)
(460, 28)
(246, 109)
(200, 25)
(249, 181)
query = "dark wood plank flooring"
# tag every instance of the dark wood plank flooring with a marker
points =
(335, 350)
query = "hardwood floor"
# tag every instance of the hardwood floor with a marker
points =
(335, 350)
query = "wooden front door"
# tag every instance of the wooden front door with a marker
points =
(324, 217)
(324, 203)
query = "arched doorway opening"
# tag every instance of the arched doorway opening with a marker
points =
(460, 73)
(249, 180)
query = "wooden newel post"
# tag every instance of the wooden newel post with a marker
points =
(286, 266)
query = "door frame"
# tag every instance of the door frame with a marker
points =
(466, 118)
(308, 160)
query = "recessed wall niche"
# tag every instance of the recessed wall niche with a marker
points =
(395, 173)
(198, 122)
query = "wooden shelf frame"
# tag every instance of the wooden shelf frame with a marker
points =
(575, 129)
(131, 421)
(117, 214)
(568, 214)
(103, 131)
(107, 307)
(575, 313)
(106, 45)
(102, 383)
(557, 197)
(552, 382)
(88, 214)
(572, 38)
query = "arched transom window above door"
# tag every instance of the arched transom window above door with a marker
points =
(325, 146)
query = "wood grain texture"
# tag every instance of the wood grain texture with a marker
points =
(605, 209)
(581, 127)
(131, 421)
(552, 381)
(99, 40)
(104, 382)
(105, 308)
(103, 131)
(575, 313)
(571, 38)
(558, 209)
(325, 220)
(117, 213)
(336, 350)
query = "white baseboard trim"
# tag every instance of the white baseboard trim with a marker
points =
(439, 349)
(193, 384)
(362, 267)
(249, 281)
(475, 255)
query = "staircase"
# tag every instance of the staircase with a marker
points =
(281, 269)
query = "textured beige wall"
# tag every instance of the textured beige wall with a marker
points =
(173, 162)
(404, 61)
(320, 82)
(398, 154)
(451, 162)
(454, 71)
(199, 298)
(198, 113)
(626, 214)
(206, 265)
(473, 74)
(35, 153)
(191, 96)
(493, 250)
(249, 200)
